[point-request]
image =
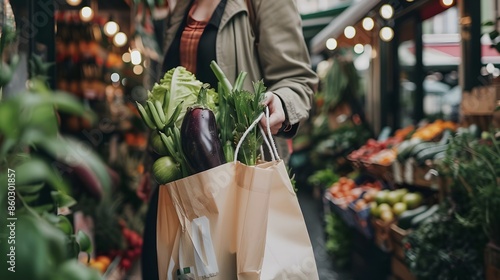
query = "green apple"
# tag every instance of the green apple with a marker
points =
(386, 215)
(381, 196)
(384, 207)
(374, 211)
(412, 200)
(399, 208)
(393, 197)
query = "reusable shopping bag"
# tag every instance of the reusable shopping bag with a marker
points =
(233, 222)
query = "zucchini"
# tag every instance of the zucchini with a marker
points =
(405, 148)
(404, 221)
(419, 219)
(429, 153)
(422, 146)
(446, 137)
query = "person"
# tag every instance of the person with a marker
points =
(262, 38)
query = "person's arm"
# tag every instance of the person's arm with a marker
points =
(285, 60)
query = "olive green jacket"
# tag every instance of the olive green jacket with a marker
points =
(282, 59)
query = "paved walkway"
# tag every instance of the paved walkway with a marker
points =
(311, 209)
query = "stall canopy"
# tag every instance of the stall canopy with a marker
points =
(315, 22)
(350, 16)
(442, 54)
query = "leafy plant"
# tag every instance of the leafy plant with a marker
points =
(323, 178)
(494, 34)
(444, 249)
(34, 158)
(474, 167)
(338, 240)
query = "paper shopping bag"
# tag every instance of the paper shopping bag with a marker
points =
(288, 251)
(218, 214)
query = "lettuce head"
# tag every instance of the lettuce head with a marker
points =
(181, 86)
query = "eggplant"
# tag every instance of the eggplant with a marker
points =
(201, 144)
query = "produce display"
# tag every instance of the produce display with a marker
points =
(446, 240)
(345, 191)
(389, 205)
(196, 128)
(381, 152)
(123, 258)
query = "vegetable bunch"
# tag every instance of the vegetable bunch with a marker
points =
(196, 128)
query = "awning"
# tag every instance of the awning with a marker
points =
(443, 54)
(349, 17)
(313, 23)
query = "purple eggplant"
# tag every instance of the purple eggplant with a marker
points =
(201, 144)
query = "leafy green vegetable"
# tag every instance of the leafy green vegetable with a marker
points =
(239, 108)
(179, 85)
(338, 240)
(323, 178)
(444, 248)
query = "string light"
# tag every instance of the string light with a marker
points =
(135, 57)
(138, 69)
(331, 44)
(111, 28)
(86, 14)
(350, 32)
(73, 2)
(368, 23)
(386, 11)
(120, 39)
(126, 57)
(359, 48)
(386, 33)
(447, 3)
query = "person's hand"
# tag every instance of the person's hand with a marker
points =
(276, 112)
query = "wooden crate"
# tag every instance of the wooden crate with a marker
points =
(492, 262)
(396, 238)
(400, 271)
(382, 232)
(480, 100)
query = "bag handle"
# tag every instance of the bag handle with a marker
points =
(268, 138)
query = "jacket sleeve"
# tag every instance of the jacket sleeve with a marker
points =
(284, 57)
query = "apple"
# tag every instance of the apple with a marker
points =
(393, 197)
(381, 196)
(412, 200)
(399, 208)
(374, 210)
(386, 215)
(384, 207)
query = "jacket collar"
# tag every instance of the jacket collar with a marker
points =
(233, 7)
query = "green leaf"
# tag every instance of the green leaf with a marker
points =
(84, 241)
(43, 208)
(36, 171)
(493, 35)
(74, 270)
(488, 23)
(30, 198)
(9, 118)
(30, 189)
(62, 200)
(65, 225)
